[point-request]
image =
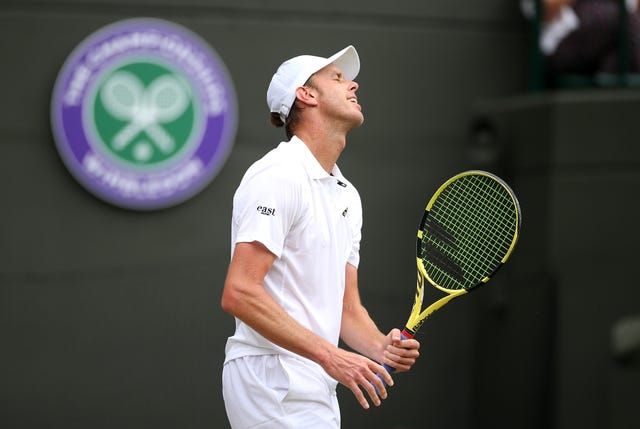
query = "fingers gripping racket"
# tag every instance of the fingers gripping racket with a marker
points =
(468, 231)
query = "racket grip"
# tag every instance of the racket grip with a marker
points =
(405, 335)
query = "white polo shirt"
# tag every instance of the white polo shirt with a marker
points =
(311, 221)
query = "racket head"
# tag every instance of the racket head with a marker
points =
(468, 231)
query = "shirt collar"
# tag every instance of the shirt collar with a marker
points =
(311, 164)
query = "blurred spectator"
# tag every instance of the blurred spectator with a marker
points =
(582, 36)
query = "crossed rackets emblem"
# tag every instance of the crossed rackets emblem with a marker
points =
(144, 109)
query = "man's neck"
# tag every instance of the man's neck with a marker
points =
(325, 147)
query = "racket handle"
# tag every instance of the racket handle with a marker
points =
(405, 335)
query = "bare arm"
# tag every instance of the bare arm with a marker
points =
(245, 297)
(361, 333)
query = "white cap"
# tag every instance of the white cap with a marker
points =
(293, 73)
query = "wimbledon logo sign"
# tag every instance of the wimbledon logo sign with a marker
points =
(144, 114)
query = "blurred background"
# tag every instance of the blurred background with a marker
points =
(110, 318)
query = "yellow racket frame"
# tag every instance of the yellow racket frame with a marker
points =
(418, 316)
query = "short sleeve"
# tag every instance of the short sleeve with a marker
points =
(265, 207)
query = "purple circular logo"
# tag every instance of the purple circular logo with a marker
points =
(144, 114)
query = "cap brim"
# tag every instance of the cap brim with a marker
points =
(347, 61)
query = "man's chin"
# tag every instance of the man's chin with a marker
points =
(359, 122)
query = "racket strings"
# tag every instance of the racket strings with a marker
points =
(482, 230)
(467, 232)
(441, 259)
(499, 224)
(483, 223)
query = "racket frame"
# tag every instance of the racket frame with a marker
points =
(417, 316)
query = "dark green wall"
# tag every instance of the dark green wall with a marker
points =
(574, 159)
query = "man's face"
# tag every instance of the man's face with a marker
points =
(337, 96)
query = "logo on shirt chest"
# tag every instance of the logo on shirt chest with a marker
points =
(267, 211)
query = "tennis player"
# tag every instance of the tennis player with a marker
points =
(292, 283)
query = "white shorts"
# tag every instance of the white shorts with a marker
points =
(278, 392)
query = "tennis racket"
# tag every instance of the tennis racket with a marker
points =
(467, 232)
